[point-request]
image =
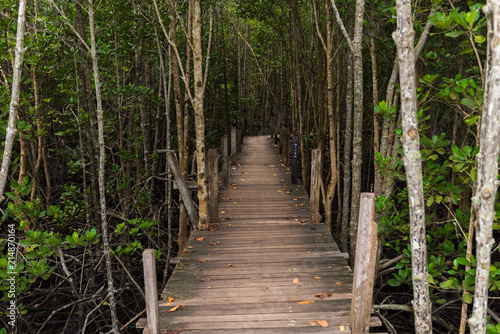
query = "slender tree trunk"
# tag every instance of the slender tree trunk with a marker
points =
(102, 181)
(487, 170)
(357, 139)
(14, 100)
(346, 206)
(404, 38)
(199, 117)
(181, 144)
(88, 105)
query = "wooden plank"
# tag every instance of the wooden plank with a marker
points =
(148, 259)
(233, 145)
(183, 189)
(315, 185)
(213, 190)
(225, 160)
(364, 268)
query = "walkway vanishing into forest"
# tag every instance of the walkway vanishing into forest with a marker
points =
(265, 268)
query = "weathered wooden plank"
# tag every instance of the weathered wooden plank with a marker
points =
(233, 145)
(183, 189)
(225, 160)
(364, 268)
(213, 190)
(148, 259)
(315, 185)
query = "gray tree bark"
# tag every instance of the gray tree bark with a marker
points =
(102, 182)
(404, 38)
(14, 99)
(487, 169)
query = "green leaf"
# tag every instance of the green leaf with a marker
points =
(470, 17)
(469, 103)
(455, 33)
(457, 153)
(472, 120)
(394, 282)
(430, 201)
(459, 18)
(467, 298)
(479, 39)
(441, 301)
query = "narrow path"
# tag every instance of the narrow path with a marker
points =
(265, 268)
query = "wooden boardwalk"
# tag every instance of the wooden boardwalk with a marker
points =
(266, 268)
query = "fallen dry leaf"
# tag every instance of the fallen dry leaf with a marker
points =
(190, 246)
(322, 323)
(199, 239)
(173, 332)
(342, 328)
(338, 283)
(173, 309)
(205, 279)
(313, 323)
(319, 295)
(202, 260)
(185, 264)
(213, 244)
(329, 294)
(317, 277)
(230, 265)
(306, 302)
(295, 280)
(223, 212)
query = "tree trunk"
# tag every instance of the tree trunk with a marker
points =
(346, 206)
(404, 38)
(199, 117)
(181, 144)
(357, 139)
(102, 184)
(14, 100)
(88, 106)
(487, 170)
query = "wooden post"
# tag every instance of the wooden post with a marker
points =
(183, 189)
(213, 180)
(286, 147)
(225, 157)
(295, 158)
(148, 260)
(315, 185)
(364, 267)
(233, 145)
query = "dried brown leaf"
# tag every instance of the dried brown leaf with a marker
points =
(199, 239)
(202, 260)
(322, 323)
(295, 280)
(306, 302)
(319, 295)
(173, 309)
(205, 279)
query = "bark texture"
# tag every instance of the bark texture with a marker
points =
(14, 100)
(198, 116)
(102, 185)
(487, 169)
(404, 38)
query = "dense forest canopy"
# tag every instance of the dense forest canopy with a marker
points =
(105, 89)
